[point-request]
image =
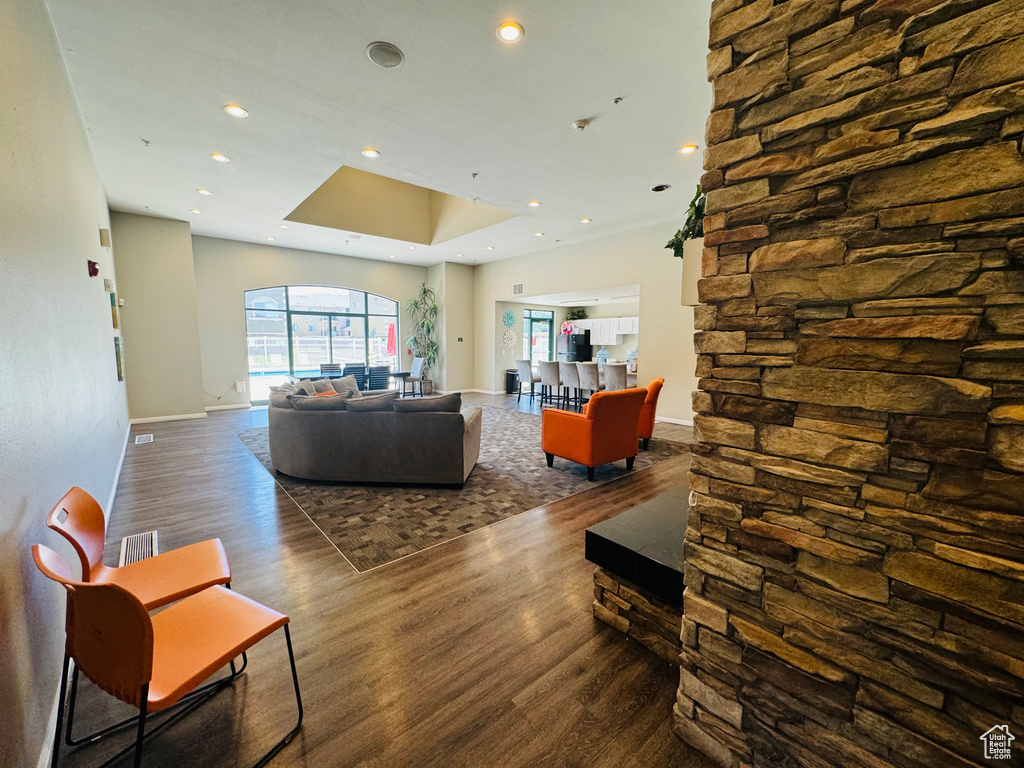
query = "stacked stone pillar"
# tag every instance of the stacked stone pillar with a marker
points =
(855, 550)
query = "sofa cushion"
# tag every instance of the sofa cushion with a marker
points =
(442, 403)
(323, 385)
(382, 402)
(279, 395)
(306, 386)
(346, 384)
(335, 402)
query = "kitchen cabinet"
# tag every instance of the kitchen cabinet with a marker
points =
(608, 330)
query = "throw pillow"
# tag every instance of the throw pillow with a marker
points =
(279, 395)
(328, 393)
(346, 384)
(314, 403)
(382, 402)
(441, 404)
(307, 386)
(323, 385)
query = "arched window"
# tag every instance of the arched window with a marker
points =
(293, 330)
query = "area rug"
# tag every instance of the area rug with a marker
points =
(376, 524)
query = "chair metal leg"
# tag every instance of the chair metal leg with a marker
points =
(647, 442)
(141, 734)
(551, 459)
(298, 701)
(590, 474)
(629, 462)
(60, 711)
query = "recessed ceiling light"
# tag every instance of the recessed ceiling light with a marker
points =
(661, 187)
(458, 255)
(204, 192)
(236, 111)
(285, 226)
(194, 210)
(220, 158)
(534, 203)
(371, 152)
(385, 55)
(538, 234)
(391, 255)
(490, 247)
(689, 149)
(271, 238)
(509, 32)
(412, 247)
(584, 221)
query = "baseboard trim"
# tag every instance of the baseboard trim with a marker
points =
(236, 406)
(117, 473)
(670, 420)
(46, 755)
(486, 391)
(178, 417)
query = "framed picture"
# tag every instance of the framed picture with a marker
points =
(119, 356)
(113, 311)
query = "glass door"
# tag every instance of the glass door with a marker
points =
(541, 335)
(311, 336)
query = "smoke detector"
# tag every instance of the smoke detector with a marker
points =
(579, 125)
(385, 54)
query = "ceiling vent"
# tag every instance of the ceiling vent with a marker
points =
(385, 55)
(517, 289)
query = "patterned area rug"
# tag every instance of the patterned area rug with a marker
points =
(376, 524)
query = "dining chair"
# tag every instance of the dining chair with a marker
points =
(590, 377)
(154, 663)
(614, 376)
(526, 376)
(570, 383)
(358, 372)
(379, 377)
(550, 381)
(414, 377)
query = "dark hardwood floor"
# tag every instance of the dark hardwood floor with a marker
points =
(478, 652)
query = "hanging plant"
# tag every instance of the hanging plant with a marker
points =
(576, 314)
(693, 227)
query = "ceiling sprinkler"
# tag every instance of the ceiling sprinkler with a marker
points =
(579, 125)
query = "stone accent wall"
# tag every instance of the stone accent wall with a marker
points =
(639, 614)
(855, 560)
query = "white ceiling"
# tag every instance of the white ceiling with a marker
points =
(462, 103)
(623, 294)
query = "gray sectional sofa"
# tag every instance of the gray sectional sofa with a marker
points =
(374, 446)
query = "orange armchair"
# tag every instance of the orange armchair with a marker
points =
(605, 432)
(645, 429)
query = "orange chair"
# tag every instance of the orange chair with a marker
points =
(155, 581)
(154, 662)
(606, 431)
(645, 428)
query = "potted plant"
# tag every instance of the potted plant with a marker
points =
(424, 310)
(687, 244)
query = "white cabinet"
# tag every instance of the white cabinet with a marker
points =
(604, 331)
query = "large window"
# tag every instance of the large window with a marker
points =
(292, 330)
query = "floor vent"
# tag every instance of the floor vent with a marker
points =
(517, 289)
(137, 547)
(140, 439)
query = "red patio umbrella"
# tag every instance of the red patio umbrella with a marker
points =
(392, 340)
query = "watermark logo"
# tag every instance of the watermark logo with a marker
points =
(997, 741)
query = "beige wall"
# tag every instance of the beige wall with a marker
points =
(637, 257)
(64, 417)
(459, 298)
(225, 269)
(505, 358)
(156, 279)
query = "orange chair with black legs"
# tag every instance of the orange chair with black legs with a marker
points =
(155, 581)
(645, 427)
(606, 431)
(155, 662)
